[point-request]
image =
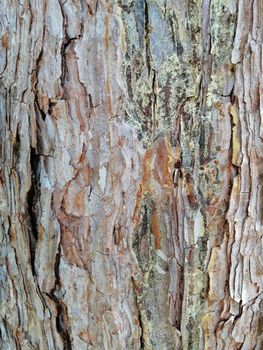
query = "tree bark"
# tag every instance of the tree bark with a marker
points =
(131, 176)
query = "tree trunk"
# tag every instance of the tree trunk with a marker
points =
(131, 179)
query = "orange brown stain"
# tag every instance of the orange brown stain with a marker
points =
(87, 174)
(121, 142)
(163, 164)
(158, 163)
(70, 250)
(5, 41)
(86, 337)
(155, 228)
(79, 115)
(144, 185)
(147, 171)
(107, 33)
(108, 93)
(79, 200)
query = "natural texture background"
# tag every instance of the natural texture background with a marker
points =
(131, 174)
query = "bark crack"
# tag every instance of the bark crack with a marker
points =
(147, 37)
(62, 322)
(154, 99)
(206, 56)
(32, 197)
(142, 344)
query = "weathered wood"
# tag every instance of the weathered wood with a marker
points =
(131, 176)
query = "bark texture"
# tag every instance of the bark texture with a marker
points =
(131, 175)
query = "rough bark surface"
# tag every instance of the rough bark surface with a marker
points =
(131, 175)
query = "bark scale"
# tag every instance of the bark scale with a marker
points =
(131, 176)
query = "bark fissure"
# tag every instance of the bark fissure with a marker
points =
(147, 37)
(138, 308)
(32, 199)
(62, 317)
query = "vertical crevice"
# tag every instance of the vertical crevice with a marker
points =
(206, 48)
(154, 99)
(32, 198)
(16, 148)
(64, 46)
(147, 37)
(62, 324)
(139, 315)
(141, 326)
(38, 109)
